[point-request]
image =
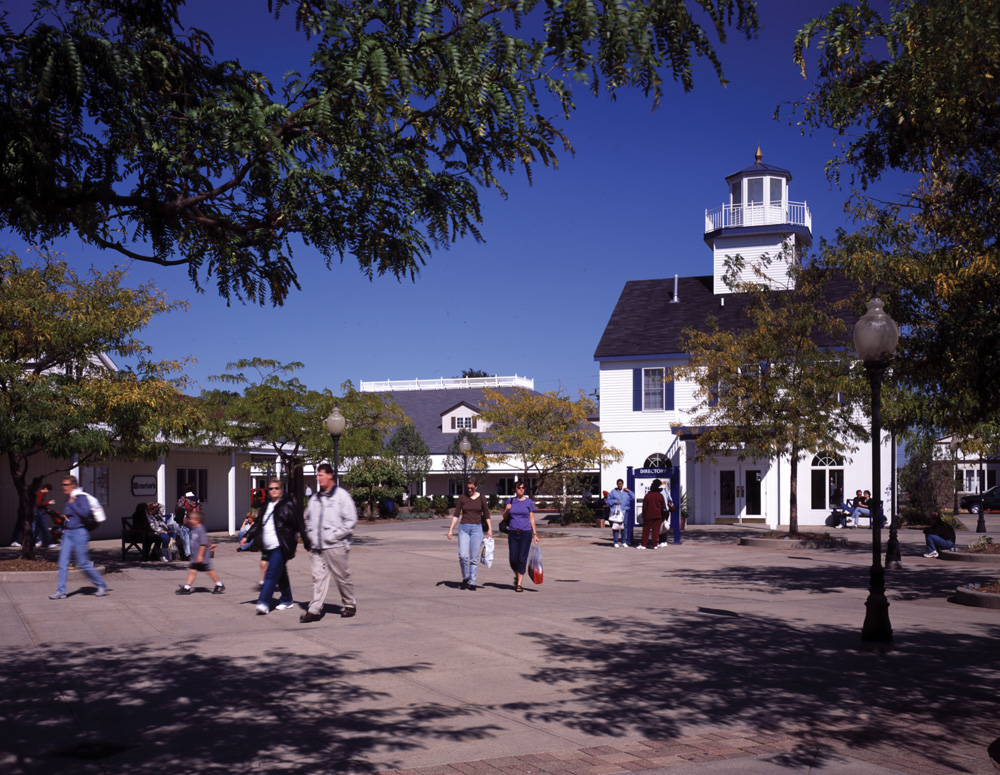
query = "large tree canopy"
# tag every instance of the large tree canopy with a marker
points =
(57, 398)
(120, 126)
(547, 436)
(918, 91)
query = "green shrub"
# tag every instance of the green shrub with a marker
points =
(420, 503)
(577, 513)
(493, 502)
(441, 505)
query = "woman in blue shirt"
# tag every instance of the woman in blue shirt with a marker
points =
(521, 510)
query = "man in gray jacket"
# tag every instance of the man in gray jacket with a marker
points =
(330, 520)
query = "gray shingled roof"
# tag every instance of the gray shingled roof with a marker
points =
(646, 323)
(424, 408)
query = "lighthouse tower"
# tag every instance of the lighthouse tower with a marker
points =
(759, 220)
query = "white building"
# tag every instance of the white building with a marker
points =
(649, 419)
(439, 409)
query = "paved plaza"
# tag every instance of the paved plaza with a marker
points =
(706, 657)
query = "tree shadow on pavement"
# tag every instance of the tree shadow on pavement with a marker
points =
(916, 582)
(657, 677)
(112, 710)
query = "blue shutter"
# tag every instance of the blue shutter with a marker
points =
(636, 390)
(668, 392)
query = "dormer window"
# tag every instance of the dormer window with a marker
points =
(461, 417)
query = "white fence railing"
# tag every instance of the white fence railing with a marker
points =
(390, 385)
(727, 216)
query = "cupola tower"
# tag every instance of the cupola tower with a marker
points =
(759, 220)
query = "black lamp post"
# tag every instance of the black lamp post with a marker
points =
(875, 338)
(335, 424)
(465, 447)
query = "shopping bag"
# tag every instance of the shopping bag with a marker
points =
(487, 554)
(535, 564)
(615, 517)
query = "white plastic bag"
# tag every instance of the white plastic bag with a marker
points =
(489, 545)
(615, 516)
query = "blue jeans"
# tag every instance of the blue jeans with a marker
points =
(855, 513)
(470, 543)
(276, 575)
(518, 545)
(938, 544)
(42, 528)
(75, 543)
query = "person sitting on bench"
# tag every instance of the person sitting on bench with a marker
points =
(857, 505)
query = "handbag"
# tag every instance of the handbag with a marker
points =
(484, 519)
(505, 525)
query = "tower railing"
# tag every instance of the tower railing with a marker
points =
(729, 216)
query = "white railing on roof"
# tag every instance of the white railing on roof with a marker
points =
(727, 216)
(444, 384)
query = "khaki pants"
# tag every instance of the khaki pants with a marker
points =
(326, 563)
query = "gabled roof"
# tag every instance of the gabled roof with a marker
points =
(426, 407)
(646, 323)
(473, 407)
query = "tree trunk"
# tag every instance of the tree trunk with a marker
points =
(793, 494)
(25, 508)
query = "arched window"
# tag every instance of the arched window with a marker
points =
(657, 460)
(827, 481)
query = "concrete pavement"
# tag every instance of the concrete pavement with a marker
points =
(706, 657)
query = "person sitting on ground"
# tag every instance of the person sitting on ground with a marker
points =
(940, 536)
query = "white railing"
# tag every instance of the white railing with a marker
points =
(445, 384)
(727, 216)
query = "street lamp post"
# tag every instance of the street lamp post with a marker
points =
(335, 424)
(875, 338)
(465, 447)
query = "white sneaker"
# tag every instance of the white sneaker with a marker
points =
(617, 545)
(931, 554)
(641, 546)
(262, 610)
(16, 545)
(284, 606)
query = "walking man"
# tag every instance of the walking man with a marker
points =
(79, 505)
(330, 521)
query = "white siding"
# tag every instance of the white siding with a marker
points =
(751, 249)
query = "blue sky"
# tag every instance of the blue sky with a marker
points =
(534, 298)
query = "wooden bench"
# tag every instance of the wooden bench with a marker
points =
(136, 538)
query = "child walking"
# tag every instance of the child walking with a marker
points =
(201, 555)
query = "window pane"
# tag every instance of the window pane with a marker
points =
(776, 190)
(652, 389)
(737, 192)
(755, 191)
(836, 487)
(817, 498)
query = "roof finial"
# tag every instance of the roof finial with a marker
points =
(758, 156)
